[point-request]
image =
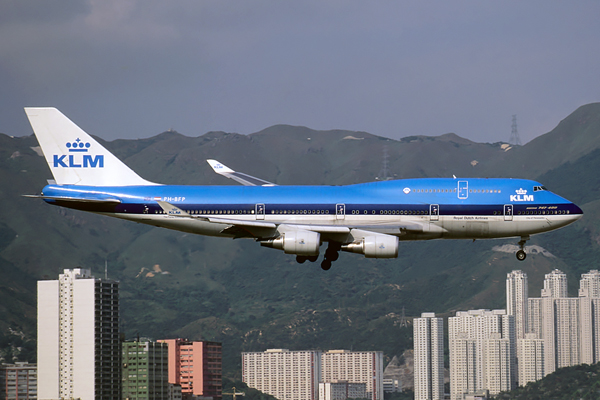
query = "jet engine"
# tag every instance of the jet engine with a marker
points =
(375, 246)
(299, 242)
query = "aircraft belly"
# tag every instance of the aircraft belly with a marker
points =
(473, 227)
(447, 227)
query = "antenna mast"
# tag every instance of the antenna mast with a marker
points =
(514, 134)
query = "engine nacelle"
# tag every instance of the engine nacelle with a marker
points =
(375, 246)
(299, 242)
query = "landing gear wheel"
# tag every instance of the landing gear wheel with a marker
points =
(312, 258)
(300, 259)
(333, 256)
(521, 253)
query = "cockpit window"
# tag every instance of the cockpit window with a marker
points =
(539, 188)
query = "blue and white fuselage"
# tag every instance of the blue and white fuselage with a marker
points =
(368, 218)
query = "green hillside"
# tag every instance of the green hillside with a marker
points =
(581, 382)
(253, 298)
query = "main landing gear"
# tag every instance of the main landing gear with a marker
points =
(331, 254)
(521, 255)
(302, 259)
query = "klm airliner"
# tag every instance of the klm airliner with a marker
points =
(367, 218)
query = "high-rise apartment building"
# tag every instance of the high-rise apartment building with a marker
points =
(78, 343)
(196, 366)
(482, 355)
(589, 317)
(428, 334)
(356, 367)
(555, 318)
(555, 284)
(18, 381)
(342, 390)
(145, 370)
(285, 374)
(531, 359)
(517, 293)
(589, 285)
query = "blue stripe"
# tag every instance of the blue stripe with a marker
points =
(350, 209)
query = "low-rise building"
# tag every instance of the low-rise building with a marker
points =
(18, 381)
(285, 374)
(145, 370)
(196, 366)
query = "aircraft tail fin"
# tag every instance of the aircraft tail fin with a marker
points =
(74, 157)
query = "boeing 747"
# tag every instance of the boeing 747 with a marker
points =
(366, 218)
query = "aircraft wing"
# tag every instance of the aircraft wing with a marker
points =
(244, 179)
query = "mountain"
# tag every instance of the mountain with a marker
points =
(253, 298)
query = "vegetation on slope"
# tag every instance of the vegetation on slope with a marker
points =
(581, 382)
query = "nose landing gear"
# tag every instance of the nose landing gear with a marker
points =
(521, 255)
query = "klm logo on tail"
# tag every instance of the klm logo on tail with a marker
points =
(77, 159)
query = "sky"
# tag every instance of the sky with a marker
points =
(127, 69)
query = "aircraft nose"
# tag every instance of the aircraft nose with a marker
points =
(576, 210)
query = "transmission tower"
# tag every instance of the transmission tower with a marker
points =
(514, 134)
(383, 173)
(403, 321)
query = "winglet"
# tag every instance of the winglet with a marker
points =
(220, 168)
(244, 179)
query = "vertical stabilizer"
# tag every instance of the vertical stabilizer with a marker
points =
(74, 157)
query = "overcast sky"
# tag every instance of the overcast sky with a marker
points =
(133, 68)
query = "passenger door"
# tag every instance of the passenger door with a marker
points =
(463, 189)
(260, 211)
(340, 211)
(434, 212)
(508, 212)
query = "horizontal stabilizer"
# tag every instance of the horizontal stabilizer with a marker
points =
(75, 199)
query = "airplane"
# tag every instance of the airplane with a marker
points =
(366, 218)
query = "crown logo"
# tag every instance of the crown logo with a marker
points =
(78, 146)
(406, 190)
(521, 191)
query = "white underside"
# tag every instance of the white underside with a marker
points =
(445, 227)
